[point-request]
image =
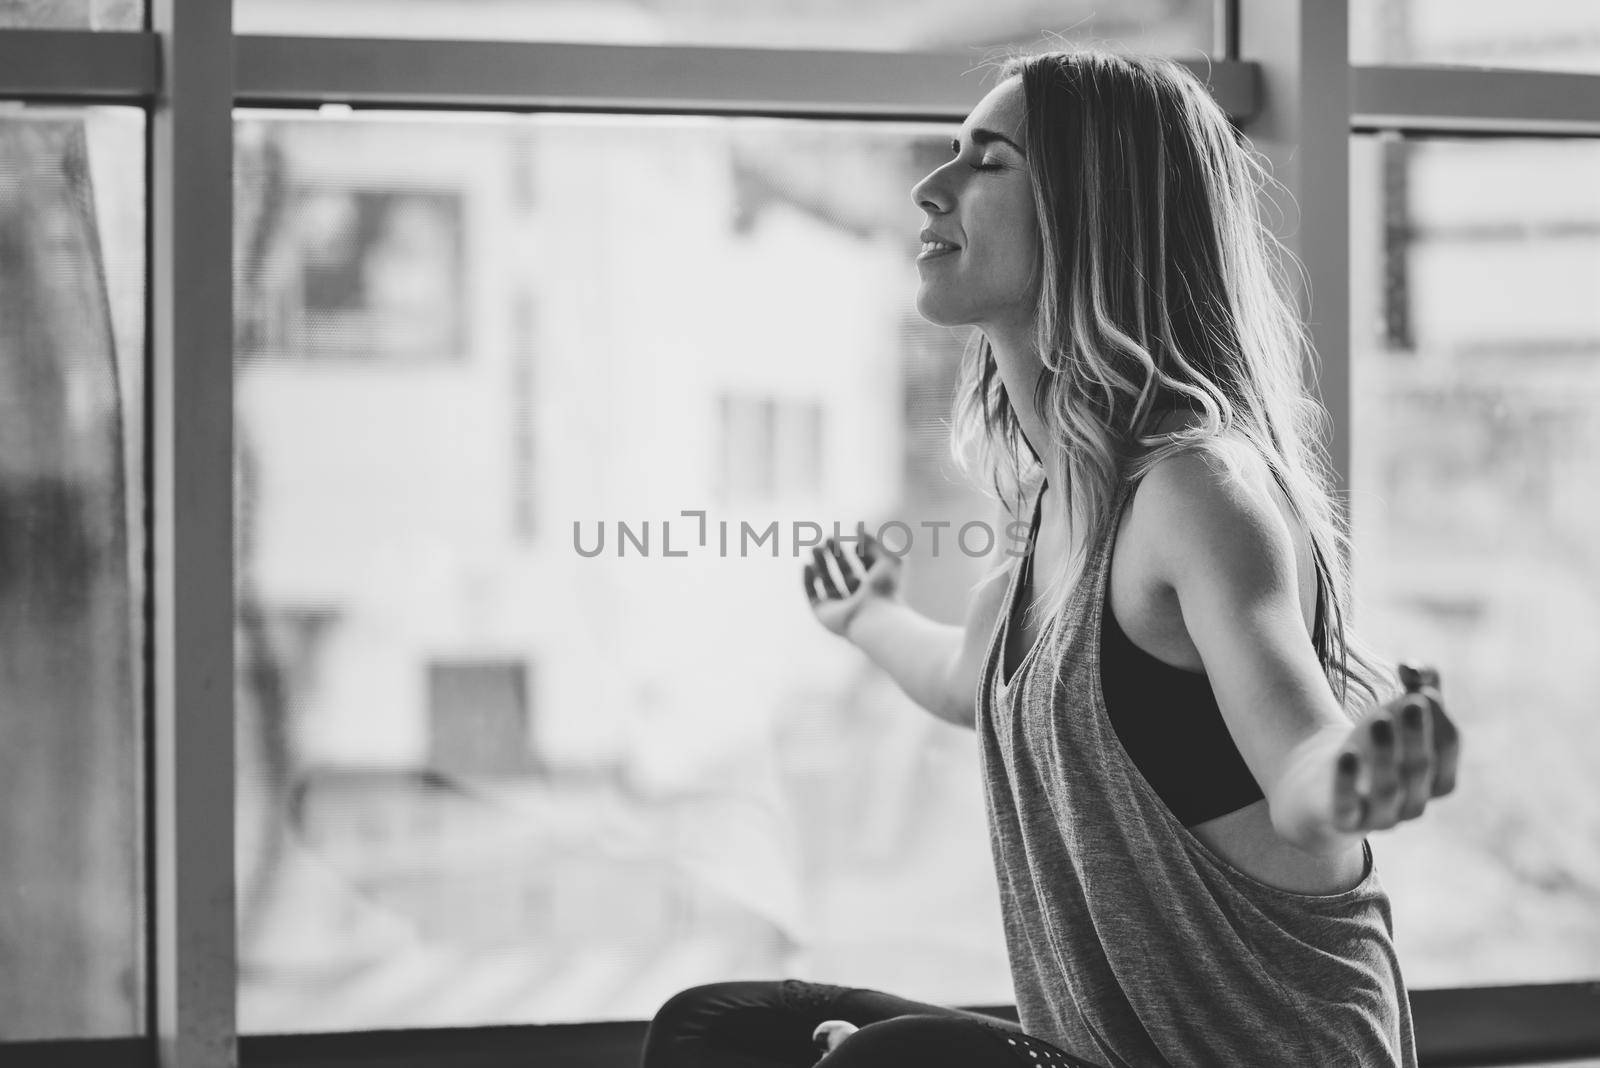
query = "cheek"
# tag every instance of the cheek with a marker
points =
(1022, 233)
(1021, 250)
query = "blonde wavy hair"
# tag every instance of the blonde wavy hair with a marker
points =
(1161, 290)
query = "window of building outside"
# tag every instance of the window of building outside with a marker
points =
(478, 717)
(368, 273)
(769, 448)
(1476, 438)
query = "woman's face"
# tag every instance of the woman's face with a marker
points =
(981, 201)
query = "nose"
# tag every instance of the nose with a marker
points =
(930, 194)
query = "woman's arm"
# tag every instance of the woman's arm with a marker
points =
(935, 664)
(1227, 551)
(916, 652)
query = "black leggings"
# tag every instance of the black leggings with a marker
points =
(768, 1024)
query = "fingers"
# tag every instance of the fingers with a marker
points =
(1349, 807)
(819, 564)
(810, 576)
(1414, 717)
(1383, 772)
(837, 574)
(1403, 755)
(1367, 793)
(1446, 747)
(1444, 740)
(1415, 755)
(847, 571)
(1415, 676)
(834, 572)
(866, 546)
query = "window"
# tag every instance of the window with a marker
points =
(1176, 26)
(71, 14)
(1535, 34)
(769, 448)
(72, 581)
(677, 811)
(478, 718)
(360, 271)
(415, 310)
(1476, 432)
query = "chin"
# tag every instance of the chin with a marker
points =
(938, 313)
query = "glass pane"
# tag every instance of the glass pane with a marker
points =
(1169, 26)
(71, 14)
(485, 778)
(72, 586)
(1477, 449)
(1534, 34)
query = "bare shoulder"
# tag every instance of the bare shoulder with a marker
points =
(1215, 508)
(1222, 470)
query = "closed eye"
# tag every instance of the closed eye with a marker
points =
(955, 150)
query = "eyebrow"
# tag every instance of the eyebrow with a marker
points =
(982, 136)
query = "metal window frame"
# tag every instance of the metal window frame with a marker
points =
(190, 752)
(527, 76)
(79, 66)
(1297, 96)
(1466, 101)
(1462, 1028)
(1303, 130)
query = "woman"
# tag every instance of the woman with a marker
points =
(1182, 747)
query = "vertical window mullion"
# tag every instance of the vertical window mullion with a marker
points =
(1303, 128)
(193, 970)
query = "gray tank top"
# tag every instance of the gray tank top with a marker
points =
(1132, 943)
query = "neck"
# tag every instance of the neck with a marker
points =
(1016, 357)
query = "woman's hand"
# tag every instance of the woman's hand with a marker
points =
(857, 578)
(1397, 759)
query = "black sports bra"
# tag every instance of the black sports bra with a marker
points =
(1168, 720)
